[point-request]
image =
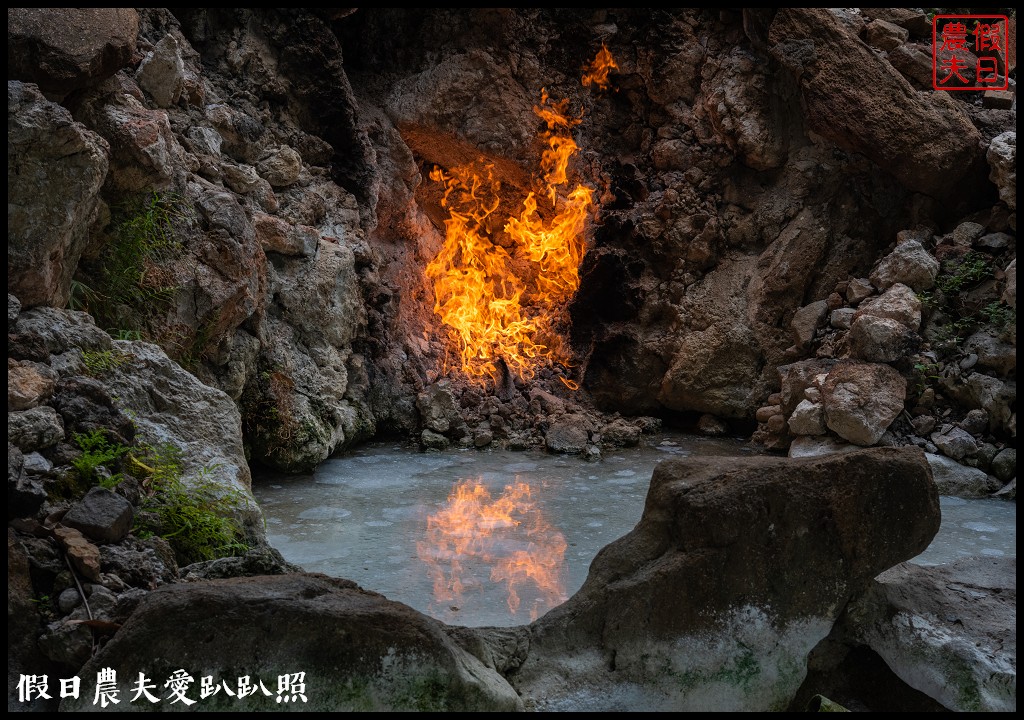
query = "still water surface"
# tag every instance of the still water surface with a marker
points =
(384, 517)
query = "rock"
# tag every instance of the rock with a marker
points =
(858, 289)
(763, 414)
(84, 556)
(56, 332)
(145, 156)
(439, 408)
(776, 424)
(909, 264)
(55, 168)
(1004, 464)
(277, 236)
(995, 241)
(281, 168)
(796, 378)
(35, 429)
(952, 478)
(987, 393)
(993, 353)
(885, 35)
(1002, 99)
(841, 318)
(25, 494)
(716, 556)
(807, 419)
(975, 422)
(946, 631)
(206, 141)
(371, 653)
(923, 424)
(64, 49)
(806, 322)
(711, 426)
(170, 405)
(69, 600)
(861, 400)
(880, 339)
(955, 443)
(255, 562)
(806, 446)
(140, 563)
(568, 434)
(1010, 293)
(482, 437)
(431, 440)
(104, 516)
(1008, 492)
(914, 63)
(162, 72)
(243, 179)
(66, 643)
(13, 309)
(28, 384)
(912, 19)
(620, 433)
(1002, 159)
(898, 303)
(850, 95)
(966, 233)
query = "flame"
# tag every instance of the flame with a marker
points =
(507, 305)
(596, 72)
(474, 527)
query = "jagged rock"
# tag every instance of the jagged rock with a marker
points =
(806, 322)
(58, 331)
(162, 72)
(1008, 492)
(34, 429)
(620, 433)
(880, 339)
(993, 353)
(947, 631)
(13, 310)
(1002, 159)
(102, 515)
(858, 289)
(432, 440)
(55, 169)
(568, 434)
(885, 35)
(258, 561)
(912, 19)
(796, 378)
(1004, 464)
(718, 551)
(842, 318)
(995, 396)
(277, 236)
(914, 63)
(898, 303)
(84, 556)
(140, 563)
(371, 653)
(955, 443)
(207, 141)
(910, 264)
(439, 408)
(958, 480)
(807, 419)
(66, 643)
(966, 233)
(850, 95)
(25, 494)
(28, 384)
(243, 179)
(861, 400)
(144, 155)
(281, 168)
(975, 422)
(64, 49)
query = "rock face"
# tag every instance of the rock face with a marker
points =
(369, 654)
(719, 552)
(948, 631)
(63, 49)
(55, 168)
(850, 97)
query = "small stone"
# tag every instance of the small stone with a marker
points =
(952, 478)
(1004, 464)
(68, 600)
(482, 437)
(842, 318)
(776, 423)
(995, 241)
(975, 422)
(966, 233)
(859, 289)
(955, 443)
(923, 424)
(102, 515)
(999, 99)
(807, 419)
(764, 414)
(433, 440)
(711, 426)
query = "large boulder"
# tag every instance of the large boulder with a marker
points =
(862, 399)
(856, 99)
(63, 49)
(344, 648)
(55, 168)
(733, 574)
(947, 631)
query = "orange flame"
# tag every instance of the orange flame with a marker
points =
(474, 527)
(597, 70)
(491, 311)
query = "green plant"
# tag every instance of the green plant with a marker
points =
(964, 272)
(97, 451)
(118, 334)
(998, 315)
(130, 279)
(196, 517)
(99, 362)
